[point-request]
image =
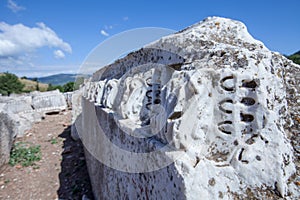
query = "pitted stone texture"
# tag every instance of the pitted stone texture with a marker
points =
(22, 110)
(7, 134)
(213, 92)
(122, 185)
(76, 114)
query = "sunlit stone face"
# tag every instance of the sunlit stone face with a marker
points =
(228, 117)
(213, 103)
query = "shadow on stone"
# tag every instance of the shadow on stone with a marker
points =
(74, 178)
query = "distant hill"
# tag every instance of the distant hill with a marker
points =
(295, 57)
(59, 79)
(29, 85)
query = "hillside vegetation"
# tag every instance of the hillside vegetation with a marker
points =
(30, 85)
(10, 83)
(295, 57)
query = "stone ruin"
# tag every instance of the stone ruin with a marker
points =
(218, 109)
(18, 113)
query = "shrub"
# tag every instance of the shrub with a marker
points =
(9, 83)
(54, 87)
(295, 58)
(68, 87)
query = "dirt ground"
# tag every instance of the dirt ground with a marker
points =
(60, 174)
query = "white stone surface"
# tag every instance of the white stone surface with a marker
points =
(7, 133)
(76, 113)
(212, 93)
(49, 101)
(18, 113)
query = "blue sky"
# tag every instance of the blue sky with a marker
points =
(42, 37)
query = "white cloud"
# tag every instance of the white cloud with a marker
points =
(125, 18)
(103, 32)
(58, 54)
(108, 27)
(13, 6)
(18, 40)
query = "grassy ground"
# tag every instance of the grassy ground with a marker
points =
(32, 85)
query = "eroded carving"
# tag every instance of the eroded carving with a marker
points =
(224, 115)
(225, 127)
(248, 101)
(229, 107)
(249, 84)
(225, 101)
(227, 83)
(246, 117)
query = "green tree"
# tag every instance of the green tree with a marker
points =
(54, 87)
(68, 87)
(37, 87)
(295, 57)
(9, 83)
(79, 81)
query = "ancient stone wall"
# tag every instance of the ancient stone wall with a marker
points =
(19, 112)
(206, 113)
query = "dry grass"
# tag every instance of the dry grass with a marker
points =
(32, 85)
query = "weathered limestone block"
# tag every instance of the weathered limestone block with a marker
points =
(30, 108)
(17, 104)
(206, 113)
(23, 113)
(19, 112)
(7, 134)
(49, 101)
(68, 97)
(76, 114)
